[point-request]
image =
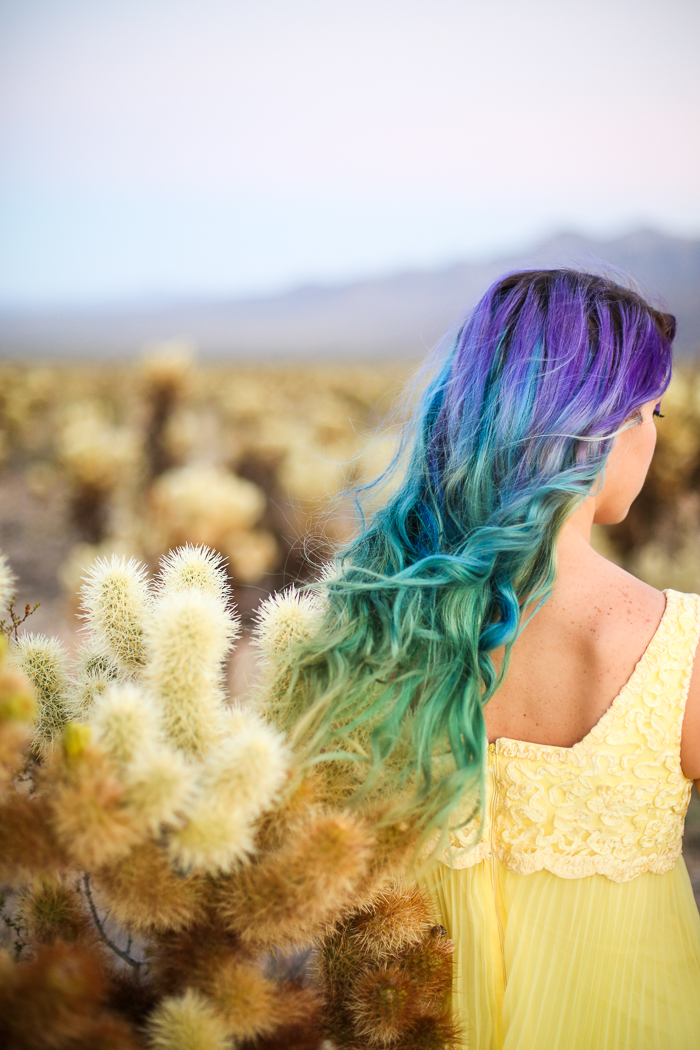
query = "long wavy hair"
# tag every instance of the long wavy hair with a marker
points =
(509, 437)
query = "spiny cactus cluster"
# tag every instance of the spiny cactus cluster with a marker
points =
(170, 864)
(386, 973)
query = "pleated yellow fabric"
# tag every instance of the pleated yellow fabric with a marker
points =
(573, 917)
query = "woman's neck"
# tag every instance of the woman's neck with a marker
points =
(581, 570)
(579, 524)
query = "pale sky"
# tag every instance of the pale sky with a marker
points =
(208, 147)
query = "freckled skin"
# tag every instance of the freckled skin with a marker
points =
(577, 652)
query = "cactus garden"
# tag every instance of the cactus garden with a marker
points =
(175, 877)
(177, 872)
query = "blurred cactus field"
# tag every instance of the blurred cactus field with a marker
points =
(137, 460)
(173, 875)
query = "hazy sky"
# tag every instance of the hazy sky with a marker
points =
(219, 146)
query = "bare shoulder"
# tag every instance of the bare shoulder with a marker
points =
(576, 653)
(636, 602)
(602, 611)
(627, 609)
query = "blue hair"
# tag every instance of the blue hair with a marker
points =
(508, 438)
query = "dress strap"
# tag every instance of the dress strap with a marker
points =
(661, 681)
(680, 642)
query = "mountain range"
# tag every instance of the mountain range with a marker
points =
(369, 320)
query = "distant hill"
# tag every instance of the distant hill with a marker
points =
(366, 320)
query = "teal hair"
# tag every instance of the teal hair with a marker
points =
(509, 437)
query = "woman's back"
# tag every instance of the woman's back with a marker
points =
(577, 651)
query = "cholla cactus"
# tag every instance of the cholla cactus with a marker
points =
(125, 721)
(159, 786)
(387, 974)
(89, 817)
(147, 896)
(285, 619)
(284, 622)
(188, 1022)
(245, 997)
(18, 710)
(55, 999)
(203, 503)
(97, 458)
(310, 477)
(43, 661)
(189, 634)
(242, 778)
(297, 889)
(115, 601)
(166, 369)
(396, 920)
(97, 454)
(191, 822)
(95, 672)
(193, 568)
(52, 910)
(82, 558)
(167, 366)
(251, 554)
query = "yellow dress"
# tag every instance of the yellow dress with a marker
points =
(573, 917)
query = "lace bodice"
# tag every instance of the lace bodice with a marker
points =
(615, 803)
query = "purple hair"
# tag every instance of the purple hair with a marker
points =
(509, 437)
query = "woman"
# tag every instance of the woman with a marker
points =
(515, 686)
